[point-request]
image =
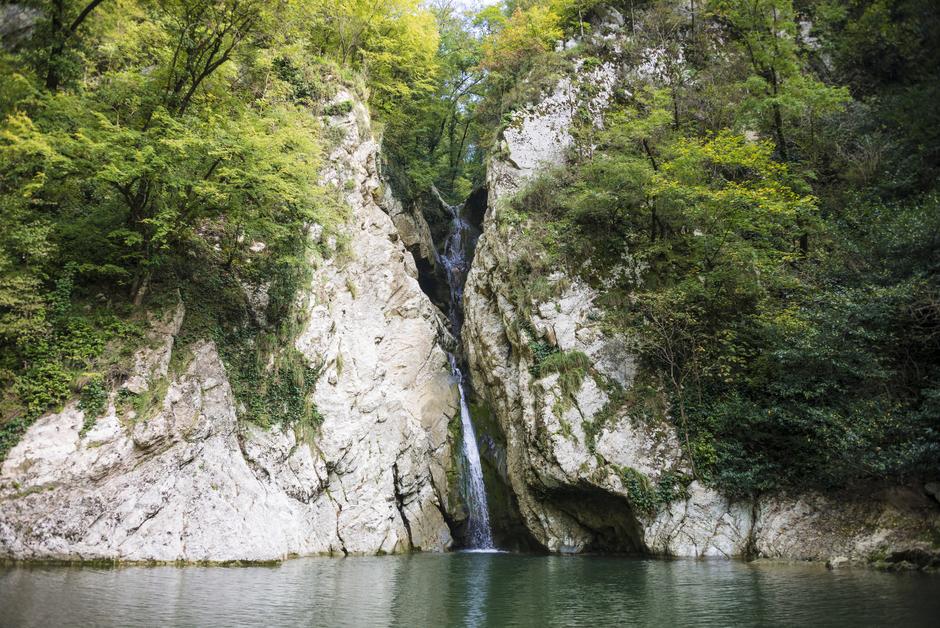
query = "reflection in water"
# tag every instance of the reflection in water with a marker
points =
(466, 589)
(476, 590)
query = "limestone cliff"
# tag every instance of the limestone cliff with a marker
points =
(190, 481)
(574, 467)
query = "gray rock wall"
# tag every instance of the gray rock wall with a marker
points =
(193, 483)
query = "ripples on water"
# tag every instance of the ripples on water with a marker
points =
(467, 589)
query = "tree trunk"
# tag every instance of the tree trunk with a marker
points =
(649, 153)
(57, 37)
(778, 129)
(685, 428)
(653, 222)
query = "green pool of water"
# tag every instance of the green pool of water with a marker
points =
(468, 589)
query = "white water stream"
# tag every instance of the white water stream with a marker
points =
(458, 252)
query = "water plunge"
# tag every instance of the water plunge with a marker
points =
(466, 589)
(479, 532)
(458, 252)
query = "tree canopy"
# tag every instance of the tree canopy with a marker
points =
(155, 144)
(760, 219)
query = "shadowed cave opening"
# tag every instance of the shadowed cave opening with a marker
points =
(608, 517)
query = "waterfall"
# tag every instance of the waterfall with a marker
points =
(479, 533)
(458, 251)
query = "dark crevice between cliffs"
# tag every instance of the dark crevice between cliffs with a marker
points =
(508, 529)
(400, 504)
(432, 275)
(431, 280)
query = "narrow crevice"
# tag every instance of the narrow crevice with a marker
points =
(750, 548)
(455, 241)
(339, 513)
(400, 504)
(449, 519)
(474, 208)
(432, 281)
(456, 231)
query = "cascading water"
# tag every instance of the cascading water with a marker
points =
(479, 534)
(456, 261)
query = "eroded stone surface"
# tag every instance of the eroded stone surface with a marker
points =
(175, 487)
(152, 360)
(189, 482)
(385, 389)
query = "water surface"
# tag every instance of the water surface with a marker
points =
(467, 589)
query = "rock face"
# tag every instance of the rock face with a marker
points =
(17, 21)
(174, 487)
(538, 136)
(386, 388)
(189, 481)
(422, 226)
(575, 466)
(413, 229)
(556, 479)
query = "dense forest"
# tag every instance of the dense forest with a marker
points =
(764, 224)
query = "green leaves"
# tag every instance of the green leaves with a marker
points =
(785, 365)
(521, 37)
(781, 98)
(395, 42)
(432, 137)
(173, 141)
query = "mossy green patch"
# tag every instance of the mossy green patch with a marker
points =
(571, 366)
(648, 498)
(93, 401)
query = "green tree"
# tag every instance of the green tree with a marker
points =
(780, 94)
(520, 38)
(179, 143)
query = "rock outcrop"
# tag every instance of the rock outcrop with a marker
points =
(422, 225)
(578, 467)
(189, 481)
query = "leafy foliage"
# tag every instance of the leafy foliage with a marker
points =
(647, 497)
(435, 138)
(571, 367)
(93, 402)
(789, 312)
(520, 37)
(149, 145)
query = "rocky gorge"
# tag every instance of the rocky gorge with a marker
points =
(403, 352)
(573, 468)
